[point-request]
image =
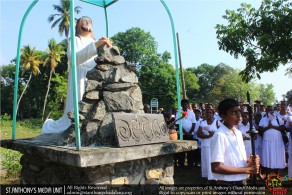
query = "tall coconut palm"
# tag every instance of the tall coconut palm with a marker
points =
(63, 17)
(53, 59)
(30, 60)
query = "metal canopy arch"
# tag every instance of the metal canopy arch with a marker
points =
(104, 4)
(101, 3)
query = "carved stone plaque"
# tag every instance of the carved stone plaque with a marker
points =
(139, 129)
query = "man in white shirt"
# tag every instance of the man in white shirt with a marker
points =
(188, 126)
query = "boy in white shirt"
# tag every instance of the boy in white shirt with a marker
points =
(228, 156)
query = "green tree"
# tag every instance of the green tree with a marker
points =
(230, 85)
(58, 94)
(137, 46)
(289, 94)
(262, 36)
(63, 17)
(191, 83)
(52, 60)
(166, 56)
(156, 76)
(267, 94)
(30, 59)
(7, 73)
(222, 81)
(204, 73)
(158, 81)
(209, 76)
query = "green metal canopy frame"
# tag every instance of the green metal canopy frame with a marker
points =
(104, 4)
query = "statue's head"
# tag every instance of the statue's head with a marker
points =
(83, 24)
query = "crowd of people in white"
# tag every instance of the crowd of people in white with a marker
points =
(271, 123)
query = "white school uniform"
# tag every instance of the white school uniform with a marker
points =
(258, 142)
(290, 158)
(282, 117)
(188, 121)
(205, 148)
(247, 143)
(273, 152)
(289, 110)
(228, 148)
(195, 136)
(289, 118)
(217, 117)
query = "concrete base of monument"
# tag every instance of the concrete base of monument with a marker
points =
(144, 164)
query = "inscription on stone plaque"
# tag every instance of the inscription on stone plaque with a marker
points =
(139, 129)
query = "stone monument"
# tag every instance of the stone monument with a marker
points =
(120, 143)
(111, 110)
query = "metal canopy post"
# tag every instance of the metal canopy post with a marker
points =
(104, 4)
(106, 20)
(17, 69)
(176, 67)
(74, 75)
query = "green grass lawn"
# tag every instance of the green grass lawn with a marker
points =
(10, 167)
(24, 129)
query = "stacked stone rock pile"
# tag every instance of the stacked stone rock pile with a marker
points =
(112, 87)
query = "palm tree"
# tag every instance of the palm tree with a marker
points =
(53, 59)
(64, 17)
(30, 60)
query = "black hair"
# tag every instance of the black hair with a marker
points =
(198, 110)
(258, 114)
(166, 113)
(184, 101)
(270, 107)
(225, 105)
(211, 110)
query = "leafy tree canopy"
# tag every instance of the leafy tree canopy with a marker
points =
(137, 46)
(266, 94)
(222, 81)
(208, 76)
(156, 76)
(191, 84)
(289, 94)
(262, 36)
(63, 17)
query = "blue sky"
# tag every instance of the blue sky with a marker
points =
(194, 20)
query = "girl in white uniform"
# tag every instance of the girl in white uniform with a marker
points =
(258, 138)
(244, 127)
(273, 153)
(206, 130)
